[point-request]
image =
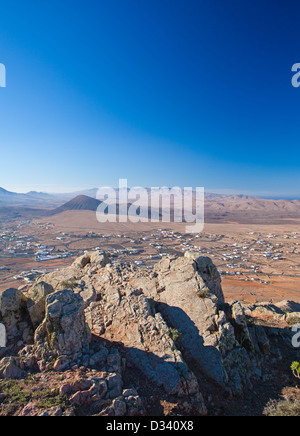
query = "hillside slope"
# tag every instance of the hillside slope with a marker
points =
(81, 202)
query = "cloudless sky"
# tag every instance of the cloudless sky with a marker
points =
(161, 92)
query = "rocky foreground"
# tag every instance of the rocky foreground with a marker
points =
(112, 340)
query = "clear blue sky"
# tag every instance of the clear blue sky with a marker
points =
(162, 92)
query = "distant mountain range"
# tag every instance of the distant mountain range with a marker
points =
(217, 207)
(31, 199)
(246, 203)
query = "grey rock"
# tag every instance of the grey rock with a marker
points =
(82, 261)
(190, 306)
(88, 294)
(94, 318)
(11, 306)
(262, 339)
(99, 359)
(61, 364)
(120, 408)
(54, 411)
(64, 330)
(209, 274)
(243, 335)
(36, 300)
(114, 381)
(10, 368)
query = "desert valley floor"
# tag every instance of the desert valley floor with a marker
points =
(258, 262)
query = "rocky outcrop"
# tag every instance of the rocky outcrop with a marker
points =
(209, 274)
(190, 305)
(71, 277)
(149, 344)
(187, 292)
(170, 327)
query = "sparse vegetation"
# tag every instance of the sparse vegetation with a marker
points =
(69, 284)
(18, 393)
(50, 398)
(16, 396)
(282, 408)
(175, 335)
(289, 405)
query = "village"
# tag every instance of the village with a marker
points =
(29, 249)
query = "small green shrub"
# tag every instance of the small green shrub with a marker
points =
(175, 335)
(295, 367)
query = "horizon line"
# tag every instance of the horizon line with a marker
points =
(220, 191)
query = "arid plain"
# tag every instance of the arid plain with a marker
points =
(258, 261)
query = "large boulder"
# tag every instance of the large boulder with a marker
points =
(187, 292)
(36, 300)
(10, 368)
(187, 295)
(190, 305)
(92, 259)
(11, 308)
(64, 330)
(209, 274)
(241, 325)
(150, 344)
